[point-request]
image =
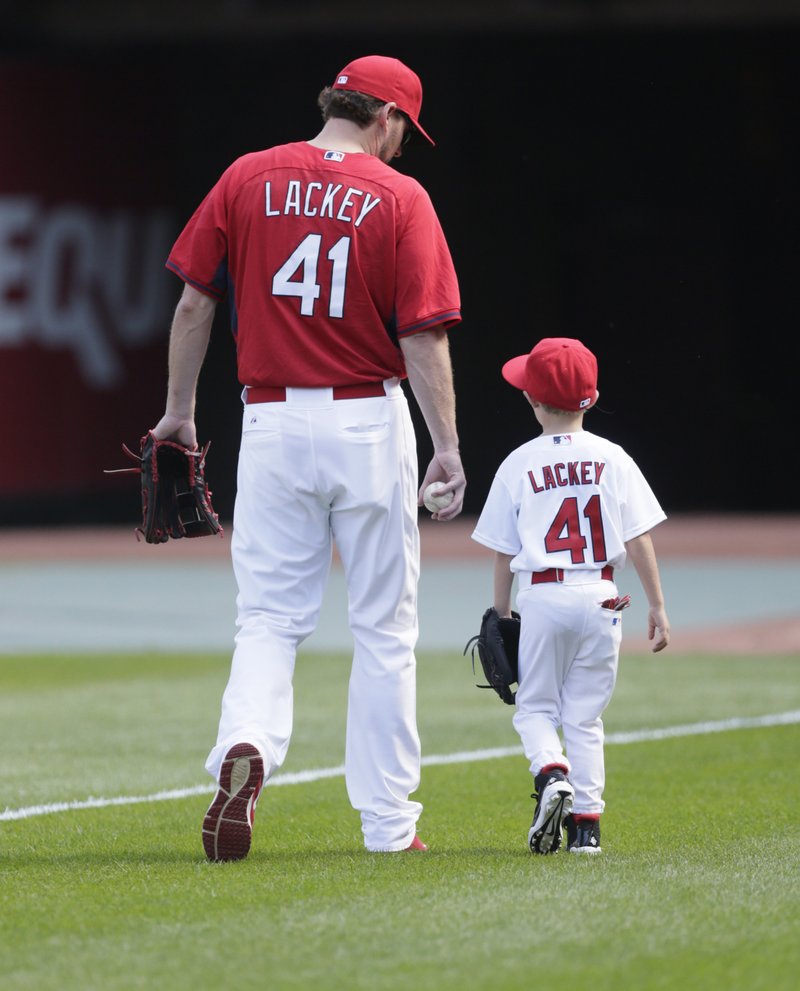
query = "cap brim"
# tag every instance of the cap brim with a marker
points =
(419, 128)
(514, 371)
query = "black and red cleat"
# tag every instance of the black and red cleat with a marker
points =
(228, 825)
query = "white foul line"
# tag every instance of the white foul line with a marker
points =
(462, 757)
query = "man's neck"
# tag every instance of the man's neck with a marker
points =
(343, 135)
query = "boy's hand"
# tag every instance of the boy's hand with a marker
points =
(657, 628)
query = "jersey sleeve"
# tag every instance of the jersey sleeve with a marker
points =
(641, 510)
(497, 525)
(427, 293)
(200, 255)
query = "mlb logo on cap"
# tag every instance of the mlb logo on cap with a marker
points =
(341, 80)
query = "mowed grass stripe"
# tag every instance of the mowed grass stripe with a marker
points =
(432, 760)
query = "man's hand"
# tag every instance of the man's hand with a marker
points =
(445, 467)
(175, 428)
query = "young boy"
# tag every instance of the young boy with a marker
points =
(563, 512)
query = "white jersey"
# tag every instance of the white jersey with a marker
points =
(567, 501)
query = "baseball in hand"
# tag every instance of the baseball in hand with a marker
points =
(434, 500)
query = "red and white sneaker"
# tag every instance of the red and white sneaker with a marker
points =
(228, 825)
(416, 844)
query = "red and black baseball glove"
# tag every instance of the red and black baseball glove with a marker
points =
(176, 501)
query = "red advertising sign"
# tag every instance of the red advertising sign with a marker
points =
(85, 301)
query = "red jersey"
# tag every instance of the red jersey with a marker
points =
(327, 258)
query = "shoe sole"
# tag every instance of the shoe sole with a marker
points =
(544, 836)
(228, 823)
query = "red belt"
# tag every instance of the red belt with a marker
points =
(557, 575)
(277, 394)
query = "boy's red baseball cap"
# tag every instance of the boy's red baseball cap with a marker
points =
(387, 79)
(559, 372)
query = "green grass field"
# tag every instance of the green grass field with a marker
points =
(697, 886)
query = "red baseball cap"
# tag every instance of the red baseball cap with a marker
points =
(386, 79)
(560, 372)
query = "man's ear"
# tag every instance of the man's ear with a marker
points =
(386, 112)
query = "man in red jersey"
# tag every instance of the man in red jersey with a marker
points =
(341, 284)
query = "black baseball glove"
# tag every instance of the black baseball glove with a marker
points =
(498, 649)
(175, 498)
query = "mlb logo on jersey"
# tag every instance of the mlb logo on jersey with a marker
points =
(334, 156)
(559, 439)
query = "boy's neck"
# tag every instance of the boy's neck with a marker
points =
(554, 423)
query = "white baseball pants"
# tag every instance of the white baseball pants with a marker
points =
(568, 659)
(313, 470)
